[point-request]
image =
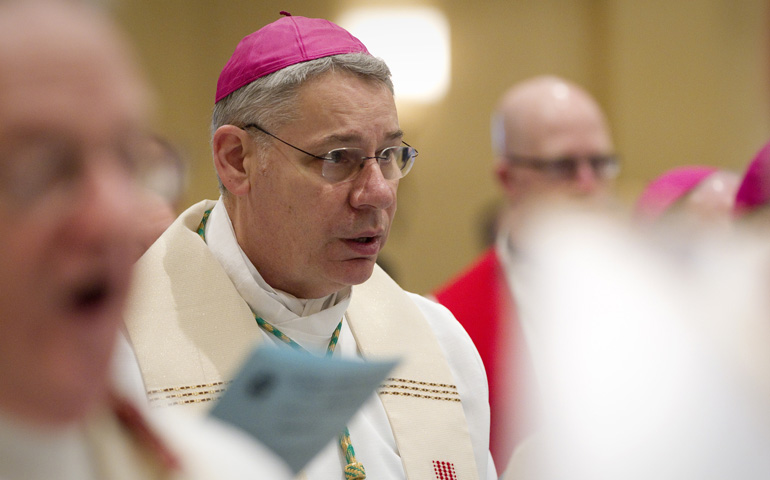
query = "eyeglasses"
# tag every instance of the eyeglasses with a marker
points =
(49, 170)
(605, 167)
(342, 164)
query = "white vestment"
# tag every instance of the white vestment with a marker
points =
(102, 448)
(310, 323)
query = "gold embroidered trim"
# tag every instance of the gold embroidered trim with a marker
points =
(417, 395)
(185, 387)
(449, 392)
(193, 394)
(417, 382)
(418, 389)
(187, 402)
(187, 394)
(199, 400)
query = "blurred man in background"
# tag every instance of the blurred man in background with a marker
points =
(552, 144)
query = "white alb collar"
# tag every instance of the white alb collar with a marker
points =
(309, 322)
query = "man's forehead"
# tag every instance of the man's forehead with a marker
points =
(32, 99)
(575, 129)
(32, 38)
(24, 22)
(342, 97)
(64, 60)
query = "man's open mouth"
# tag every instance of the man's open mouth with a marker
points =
(91, 295)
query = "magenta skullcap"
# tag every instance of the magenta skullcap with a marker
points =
(754, 190)
(661, 193)
(287, 41)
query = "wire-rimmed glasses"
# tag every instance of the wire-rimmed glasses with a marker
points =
(342, 164)
(605, 167)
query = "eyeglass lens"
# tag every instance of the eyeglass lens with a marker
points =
(603, 166)
(343, 163)
(50, 169)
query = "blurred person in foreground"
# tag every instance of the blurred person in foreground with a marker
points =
(164, 178)
(658, 369)
(650, 367)
(72, 109)
(309, 154)
(552, 144)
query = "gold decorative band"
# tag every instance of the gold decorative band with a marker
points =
(182, 402)
(185, 387)
(186, 394)
(418, 382)
(193, 394)
(417, 395)
(418, 389)
(407, 388)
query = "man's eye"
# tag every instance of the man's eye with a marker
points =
(600, 162)
(334, 156)
(136, 156)
(563, 165)
(388, 155)
(343, 157)
(40, 168)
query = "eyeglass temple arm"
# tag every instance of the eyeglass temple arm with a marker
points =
(254, 125)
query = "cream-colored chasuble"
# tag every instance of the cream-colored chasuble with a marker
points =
(191, 334)
(421, 399)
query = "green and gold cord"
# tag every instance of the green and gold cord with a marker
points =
(354, 470)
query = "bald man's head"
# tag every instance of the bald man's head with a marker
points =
(551, 137)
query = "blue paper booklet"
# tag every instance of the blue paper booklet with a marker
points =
(296, 403)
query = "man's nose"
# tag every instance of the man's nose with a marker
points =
(371, 188)
(586, 178)
(107, 203)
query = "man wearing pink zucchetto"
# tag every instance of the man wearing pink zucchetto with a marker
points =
(309, 153)
(690, 199)
(753, 195)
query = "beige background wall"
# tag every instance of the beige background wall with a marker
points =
(682, 81)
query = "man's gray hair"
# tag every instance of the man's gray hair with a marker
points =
(269, 101)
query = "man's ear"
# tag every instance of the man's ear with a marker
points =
(231, 145)
(503, 175)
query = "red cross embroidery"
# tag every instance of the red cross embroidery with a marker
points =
(444, 470)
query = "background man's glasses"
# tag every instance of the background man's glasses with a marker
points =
(343, 164)
(605, 167)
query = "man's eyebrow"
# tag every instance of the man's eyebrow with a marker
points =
(396, 134)
(352, 137)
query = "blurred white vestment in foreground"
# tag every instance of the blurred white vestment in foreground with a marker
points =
(652, 358)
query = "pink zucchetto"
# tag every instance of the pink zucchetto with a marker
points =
(664, 191)
(287, 41)
(754, 190)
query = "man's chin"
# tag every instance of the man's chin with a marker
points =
(336, 278)
(358, 271)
